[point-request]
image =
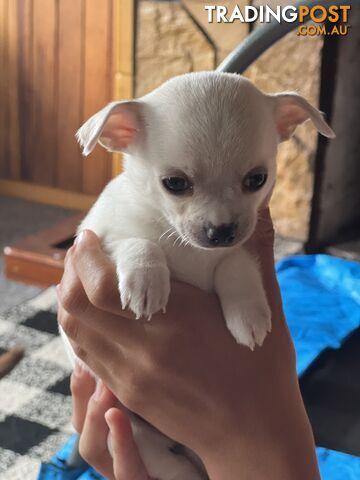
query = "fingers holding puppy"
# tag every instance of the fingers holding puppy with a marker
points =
(96, 273)
(89, 277)
(85, 339)
(82, 386)
(88, 290)
(94, 436)
(94, 417)
(91, 400)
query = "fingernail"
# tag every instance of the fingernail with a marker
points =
(79, 237)
(98, 390)
(108, 419)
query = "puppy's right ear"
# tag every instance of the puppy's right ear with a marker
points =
(115, 127)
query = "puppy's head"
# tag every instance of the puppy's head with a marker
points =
(203, 147)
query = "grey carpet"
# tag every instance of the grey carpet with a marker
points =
(19, 218)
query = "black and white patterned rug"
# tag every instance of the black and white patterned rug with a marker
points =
(35, 403)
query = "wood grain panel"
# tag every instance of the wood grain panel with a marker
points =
(48, 195)
(13, 100)
(45, 65)
(25, 84)
(97, 86)
(58, 60)
(4, 165)
(70, 97)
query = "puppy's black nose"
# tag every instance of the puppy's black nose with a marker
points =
(221, 235)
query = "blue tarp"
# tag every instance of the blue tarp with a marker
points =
(321, 297)
(337, 465)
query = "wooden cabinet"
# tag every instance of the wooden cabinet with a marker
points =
(60, 62)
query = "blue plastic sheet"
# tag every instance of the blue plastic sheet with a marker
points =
(57, 469)
(321, 297)
(337, 465)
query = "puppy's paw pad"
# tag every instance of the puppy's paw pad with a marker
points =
(145, 290)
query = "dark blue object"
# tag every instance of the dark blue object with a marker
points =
(321, 297)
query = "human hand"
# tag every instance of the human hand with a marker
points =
(94, 417)
(188, 364)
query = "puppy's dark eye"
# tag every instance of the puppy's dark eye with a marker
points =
(254, 180)
(176, 184)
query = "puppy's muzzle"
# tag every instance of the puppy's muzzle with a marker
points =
(222, 235)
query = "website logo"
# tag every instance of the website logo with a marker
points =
(332, 20)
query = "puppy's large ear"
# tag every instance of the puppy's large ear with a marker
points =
(115, 127)
(290, 110)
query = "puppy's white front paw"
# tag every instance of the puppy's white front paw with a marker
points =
(249, 322)
(145, 290)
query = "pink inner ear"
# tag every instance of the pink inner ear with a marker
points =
(119, 137)
(120, 130)
(288, 117)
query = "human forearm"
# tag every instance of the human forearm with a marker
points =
(279, 446)
(264, 433)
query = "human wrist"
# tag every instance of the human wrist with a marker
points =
(268, 460)
(219, 457)
(277, 446)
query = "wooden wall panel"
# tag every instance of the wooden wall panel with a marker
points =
(70, 96)
(13, 98)
(25, 84)
(97, 85)
(45, 65)
(58, 66)
(4, 165)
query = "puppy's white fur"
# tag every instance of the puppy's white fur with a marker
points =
(213, 128)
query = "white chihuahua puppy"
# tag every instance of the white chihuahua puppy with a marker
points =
(199, 162)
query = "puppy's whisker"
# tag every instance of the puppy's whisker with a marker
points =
(163, 234)
(177, 239)
(171, 234)
(187, 242)
(184, 241)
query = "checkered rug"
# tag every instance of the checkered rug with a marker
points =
(35, 403)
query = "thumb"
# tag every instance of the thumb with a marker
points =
(127, 461)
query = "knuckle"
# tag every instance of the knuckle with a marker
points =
(92, 411)
(72, 299)
(70, 325)
(99, 296)
(69, 256)
(80, 352)
(76, 252)
(88, 451)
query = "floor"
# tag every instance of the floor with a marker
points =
(19, 218)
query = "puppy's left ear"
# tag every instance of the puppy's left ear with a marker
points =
(115, 127)
(291, 110)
